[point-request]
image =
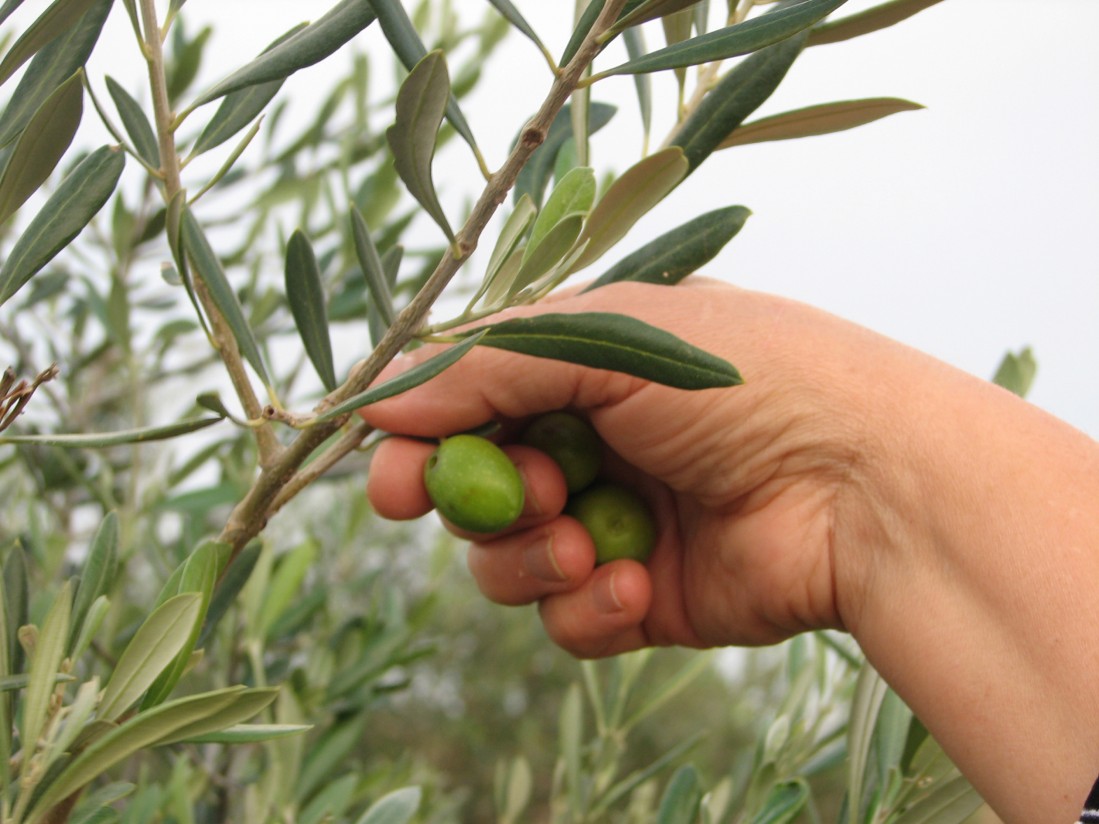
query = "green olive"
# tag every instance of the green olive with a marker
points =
(474, 484)
(571, 442)
(618, 521)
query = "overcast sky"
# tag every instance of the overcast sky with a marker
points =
(964, 229)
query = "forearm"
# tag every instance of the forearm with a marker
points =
(980, 608)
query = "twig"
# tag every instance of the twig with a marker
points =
(251, 514)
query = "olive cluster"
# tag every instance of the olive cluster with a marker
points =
(475, 486)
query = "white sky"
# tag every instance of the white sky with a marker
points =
(964, 229)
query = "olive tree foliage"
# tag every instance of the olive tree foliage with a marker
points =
(198, 621)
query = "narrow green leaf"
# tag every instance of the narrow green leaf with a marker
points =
(96, 440)
(784, 803)
(308, 46)
(674, 255)
(651, 10)
(54, 63)
(573, 195)
(245, 705)
(207, 266)
(870, 690)
(154, 645)
(571, 733)
(826, 118)
(410, 50)
(199, 575)
(513, 230)
(248, 734)
(241, 107)
(283, 589)
(377, 282)
(397, 807)
(142, 730)
(510, 13)
(16, 598)
(96, 576)
(41, 145)
(739, 93)
(421, 103)
(136, 124)
(86, 630)
(406, 380)
(550, 252)
(949, 803)
(536, 174)
(1016, 372)
(682, 798)
(608, 341)
(634, 40)
(7, 9)
(630, 198)
(232, 582)
(45, 662)
(305, 294)
(864, 22)
(750, 36)
(77, 199)
(61, 16)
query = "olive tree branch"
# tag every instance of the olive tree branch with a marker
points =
(221, 335)
(250, 515)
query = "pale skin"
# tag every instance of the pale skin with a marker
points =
(851, 483)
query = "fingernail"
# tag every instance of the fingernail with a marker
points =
(539, 560)
(605, 596)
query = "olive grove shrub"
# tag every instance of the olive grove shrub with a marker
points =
(162, 657)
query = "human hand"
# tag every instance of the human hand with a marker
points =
(744, 482)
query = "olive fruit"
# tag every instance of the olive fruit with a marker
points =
(617, 519)
(474, 484)
(571, 442)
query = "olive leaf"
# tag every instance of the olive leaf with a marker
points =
(784, 803)
(651, 10)
(304, 48)
(572, 197)
(8, 8)
(396, 807)
(682, 798)
(1016, 372)
(49, 650)
(61, 16)
(77, 199)
(157, 641)
(90, 440)
(673, 255)
(825, 118)
(241, 107)
(512, 232)
(305, 294)
(41, 145)
(406, 380)
(634, 40)
(551, 252)
(54, 63)
(204, 262)
(135, 123)
(536, 174)
(870, 20)
(410, 50)
(118, 743)
(739, 93)
(603, 340)
(96, 576)
(628, 199)
(421, 104)
(510, 13)
(377, 282)
(199, 575)
(248, 734)
(732, 41)
(247, 704)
